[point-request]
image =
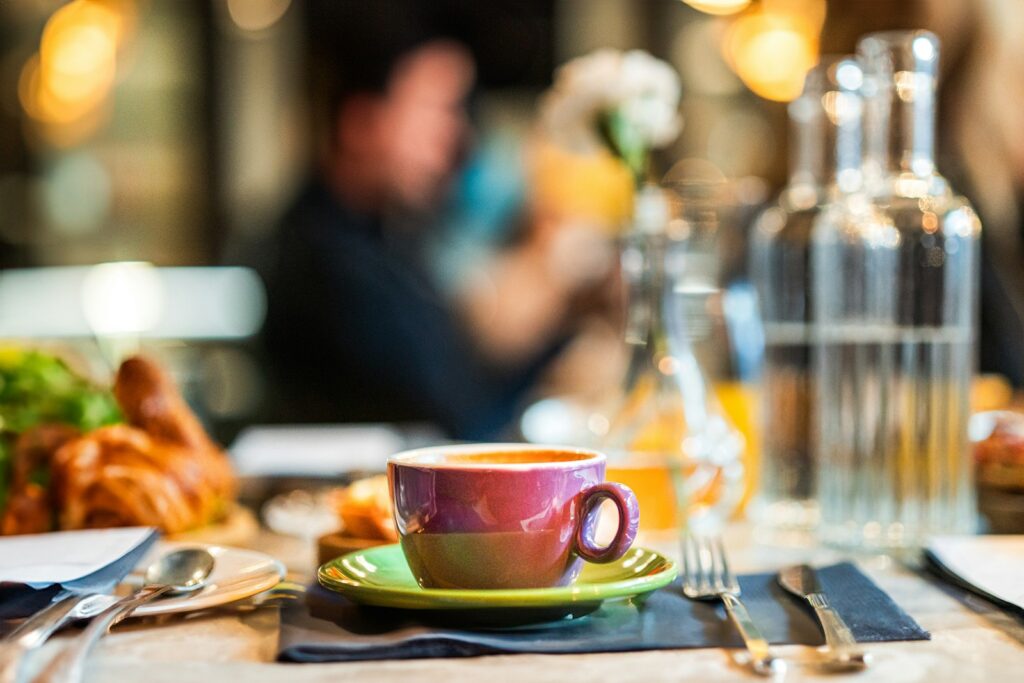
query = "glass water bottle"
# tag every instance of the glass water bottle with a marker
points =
(895, 289)
(780, 265)
(668, 439)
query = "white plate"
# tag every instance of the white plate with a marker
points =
(237, 574)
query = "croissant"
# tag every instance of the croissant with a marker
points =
(121, 476)
(151, 402)
(29, 509)
(160, 469)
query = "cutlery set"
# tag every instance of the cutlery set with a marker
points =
(706, 576)
(180, 571)
(37, 629)
(705, 570)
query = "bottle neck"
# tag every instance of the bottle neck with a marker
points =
(901, 126)
(825, 124)
(810, 171)
(901, 72)
(844, 141)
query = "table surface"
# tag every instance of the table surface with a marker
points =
(971, 641)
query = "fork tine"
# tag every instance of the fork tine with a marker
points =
(706, 570)
(705, 565)
(684, 548)
(691, 565)
(728, 580)
(716, 564)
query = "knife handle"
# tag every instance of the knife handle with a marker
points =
(838, 637)
(33, 632)
(763, 661)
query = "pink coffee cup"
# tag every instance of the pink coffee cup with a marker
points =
(505, 515)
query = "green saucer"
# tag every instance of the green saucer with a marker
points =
(380, 577)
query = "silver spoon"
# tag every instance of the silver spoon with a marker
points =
(181, 571)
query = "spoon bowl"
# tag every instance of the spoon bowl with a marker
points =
(183, 570)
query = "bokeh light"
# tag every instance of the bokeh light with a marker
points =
(719, 7)
(257, 15)
(810, 11)
(76, 193)
(772, 52)
(122, 298)
(63, 86)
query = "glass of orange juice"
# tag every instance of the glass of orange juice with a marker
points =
(678, 470)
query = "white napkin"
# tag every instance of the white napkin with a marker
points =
(78, 560)
(991, 565)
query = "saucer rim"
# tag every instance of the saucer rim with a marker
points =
(334, 580)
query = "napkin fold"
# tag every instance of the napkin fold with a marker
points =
(327, 627)
(35, 568)
(989, 566)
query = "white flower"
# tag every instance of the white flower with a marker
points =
(642, 90)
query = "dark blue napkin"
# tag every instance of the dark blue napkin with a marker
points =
(19, 600)
(342, 631)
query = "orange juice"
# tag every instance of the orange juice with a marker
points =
(654, 489)
(739, 403)
(649, 456)
(666, 488)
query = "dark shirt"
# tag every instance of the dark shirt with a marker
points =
(356, 331)
(1001, 334)
(1001, 306)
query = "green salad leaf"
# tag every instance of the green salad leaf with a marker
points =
(5, 472)
(39, 388)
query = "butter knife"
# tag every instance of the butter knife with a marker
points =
(841, 648)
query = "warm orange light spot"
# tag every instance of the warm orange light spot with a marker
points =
(930, 222)
(668, 365)
(771, 53)
(811, 11)
(63, 87)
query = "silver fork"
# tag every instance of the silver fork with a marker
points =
(706, 576)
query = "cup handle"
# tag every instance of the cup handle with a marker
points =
(629, 521)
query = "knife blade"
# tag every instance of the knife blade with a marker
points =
(842, 651)
(801, 580)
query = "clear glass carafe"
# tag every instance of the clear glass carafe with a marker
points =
(895, 289)
(822, 145)
(668, 438)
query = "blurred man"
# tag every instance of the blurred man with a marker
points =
(356, 329)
